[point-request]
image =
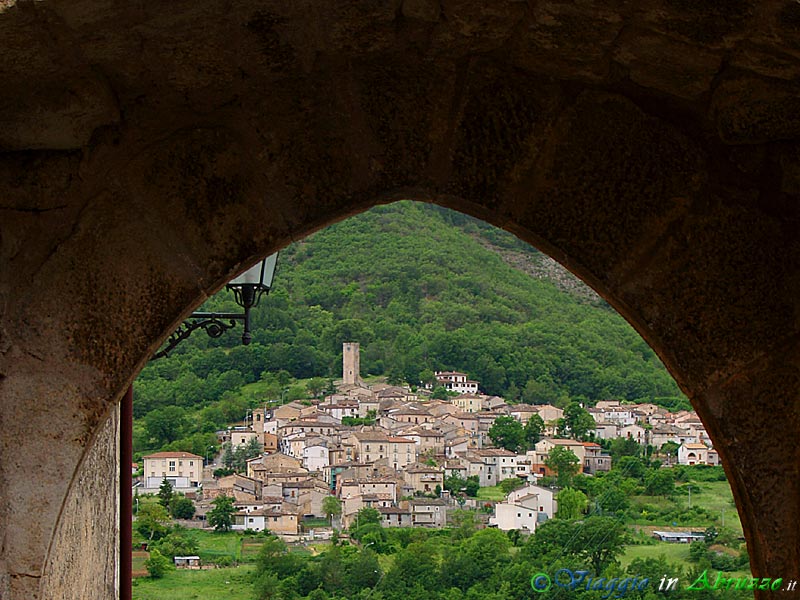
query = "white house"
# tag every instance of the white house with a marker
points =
(694, 454)
(316, 455)
(634, 432)
(454, 381)
(524, 509)
(182, 469)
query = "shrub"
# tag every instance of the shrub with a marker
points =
(157, 565)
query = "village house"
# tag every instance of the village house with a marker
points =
(340, 409)
(183, 470)
(595, 460)
(280, 521)
(315, 454)
(543, 447)
(606, 431)
(522, 412)
(468, 403)
(633, 432)
(467, 421)
(456, 467)
(306, 495)
(427, 440)
(621, 415)
(411, 414)
(287, 412)
(315, 426)
(372, 446)
(426, 512)
(453, 381)
(424, 479)
(549, 413)
(492, 465)
(381, 487)
(368, 406)
(697, 454)
(457, 445)
(271, 478)
(239, 487)
(524, 509)
(266, 502)
(393, 516)
(496, 404)
(274, 463)
(241, 436)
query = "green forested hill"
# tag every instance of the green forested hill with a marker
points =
(420, 288)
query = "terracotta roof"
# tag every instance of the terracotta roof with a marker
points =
(173, 455)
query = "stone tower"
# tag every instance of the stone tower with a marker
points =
(351, 363)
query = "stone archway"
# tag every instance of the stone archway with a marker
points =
(149, 155)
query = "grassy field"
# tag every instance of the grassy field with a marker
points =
(231, 584)
(491, 493)
(676, 553)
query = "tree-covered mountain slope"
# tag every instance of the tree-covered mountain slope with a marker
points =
(421, 289)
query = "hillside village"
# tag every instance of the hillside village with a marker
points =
(399, 462)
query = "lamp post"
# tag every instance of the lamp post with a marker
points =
(247, 288)
(207, 449)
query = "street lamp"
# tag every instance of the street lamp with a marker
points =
(247, 288)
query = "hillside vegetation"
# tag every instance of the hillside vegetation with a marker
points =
(421, 289)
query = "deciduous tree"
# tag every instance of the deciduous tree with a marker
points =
(571, 503)
(221, 516)
(506, 432)
(564, 463)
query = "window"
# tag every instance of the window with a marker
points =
(191, 463)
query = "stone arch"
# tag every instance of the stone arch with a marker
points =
(147, 157)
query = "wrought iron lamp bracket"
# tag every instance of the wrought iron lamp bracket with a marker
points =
(214, 324)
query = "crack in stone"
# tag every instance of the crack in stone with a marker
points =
(35, 211)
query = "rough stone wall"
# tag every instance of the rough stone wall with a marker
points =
(149, 152)
(82, 539)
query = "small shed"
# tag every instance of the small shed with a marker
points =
(187, 562)
(680, 537)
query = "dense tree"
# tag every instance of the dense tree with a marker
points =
(511, 484)
(670, 450)
(152, 520)
(660, 482)
(533, 431)
(157, 564)
(564, 463)
(165, 493)
(571, 503)
(181, 507)
(507, 432)
(576, 422)
(366, 516)
(177, 543)
(620, 447)
(332, 507)
(630, 466)
(221, 516)
(165, 425)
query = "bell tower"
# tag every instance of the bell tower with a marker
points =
(351, 363)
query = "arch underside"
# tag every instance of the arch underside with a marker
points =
(149, 156)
